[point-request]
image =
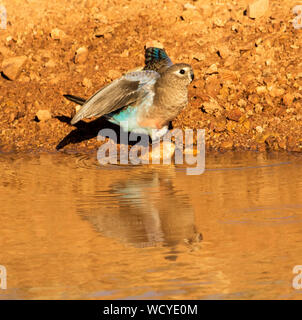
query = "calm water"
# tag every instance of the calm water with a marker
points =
(72, 229)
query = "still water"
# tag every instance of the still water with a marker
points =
(71, 229)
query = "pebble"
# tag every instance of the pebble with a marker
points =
(87, 83)
(212, 69)
(12, 67)
(259, 129)
(57, 34)
(257, 9)
(81, 55)
(43, 115)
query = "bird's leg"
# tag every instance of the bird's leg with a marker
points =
(164, 150)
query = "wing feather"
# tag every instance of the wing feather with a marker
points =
(129, 89)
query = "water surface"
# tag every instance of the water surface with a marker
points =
(73, 229)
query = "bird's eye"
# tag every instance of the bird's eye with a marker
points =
(182, 71)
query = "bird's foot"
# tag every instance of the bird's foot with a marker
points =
(161, 151)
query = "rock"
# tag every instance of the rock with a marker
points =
(234, 114)
(188, 6)
(218, 22)
(199, 56)
(12, 67)
(154, 43)
(258, 108)
(43, 115)
(114, 74)
(101, 18)
(257, 8)
(261, 89)
(223, 50)
(87, 83)
(81, 55)
(242, 103)
(50, 64)
(57, 34)
(212, 69)
(219, 125)
(212, 86)
(5, 52)
(288, 99)
(276, 92)
(105, 32)
(211, 106)
(259, 129)
(227, 145)
(125, 53)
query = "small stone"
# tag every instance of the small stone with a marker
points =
(105, 32)
(50, 64)
(87, 83)
(12, 67)
(227, 145)
(224, 51)
(261, 89)
(258, 108)
(5, 52)
(259, 129)
(114, 74)
(199, 56)
(154, 43)
(234, 114)
(188, 6)
(125, 54)
(81, 55)
(211, 106)
(288, 99)
(43, 115)
(100, 17)
(212, 69)
(57, 34)
(218, 22)
(242, 103)
(257, 8)
(276, 92)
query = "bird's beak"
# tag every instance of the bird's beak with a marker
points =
(192, 75)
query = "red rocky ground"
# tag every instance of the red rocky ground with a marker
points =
(248, 88)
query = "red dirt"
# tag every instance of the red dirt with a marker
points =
(248, 88)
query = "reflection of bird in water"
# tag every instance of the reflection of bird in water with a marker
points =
(146, 211)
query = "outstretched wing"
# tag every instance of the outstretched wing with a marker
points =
(156, 59)
(129, 89)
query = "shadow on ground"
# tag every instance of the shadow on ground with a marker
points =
(89, 130)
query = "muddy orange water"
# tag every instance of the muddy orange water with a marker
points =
(70, 228)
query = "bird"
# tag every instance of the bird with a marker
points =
(155, 59)
(144, 101)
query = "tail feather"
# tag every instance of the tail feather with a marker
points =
(155, 54)
(156, 59)
(75, 99)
